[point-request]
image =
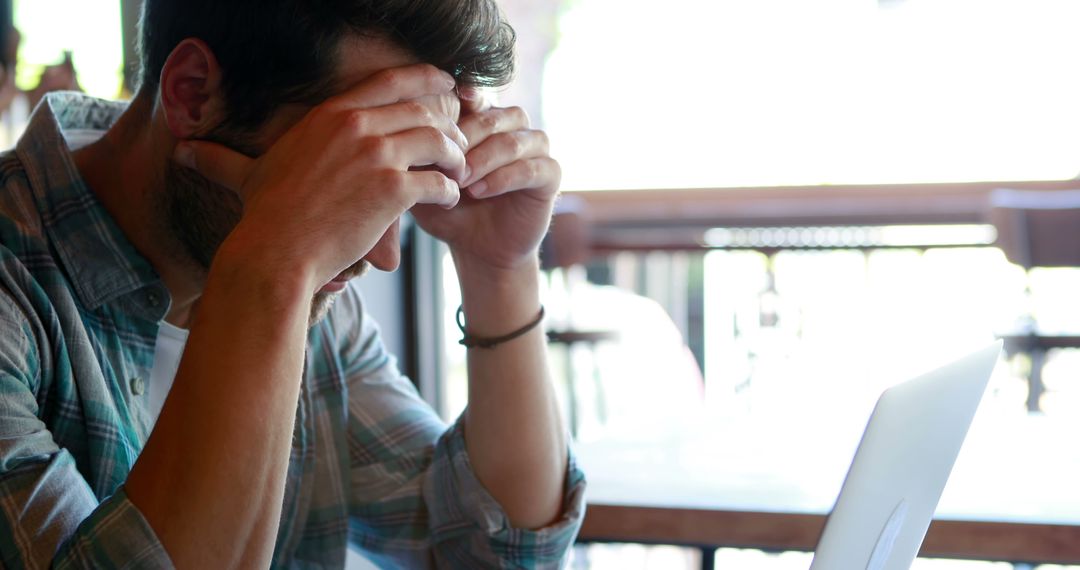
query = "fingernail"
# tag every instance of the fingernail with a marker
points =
(479, 189)
(185, 155)
(466, 174)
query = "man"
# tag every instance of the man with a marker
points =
(264, 162)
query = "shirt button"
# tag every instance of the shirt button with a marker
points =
(138, 386)
(153, 299)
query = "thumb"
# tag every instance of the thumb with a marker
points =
(216, 162)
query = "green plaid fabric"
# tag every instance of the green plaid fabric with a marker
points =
(372, 466)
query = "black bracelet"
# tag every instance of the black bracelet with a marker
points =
(478, 342)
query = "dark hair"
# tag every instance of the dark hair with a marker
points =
(274, 52)
(7, 27)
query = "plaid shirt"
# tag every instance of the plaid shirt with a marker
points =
(371, 463)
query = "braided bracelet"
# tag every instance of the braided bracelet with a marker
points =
(479, 342)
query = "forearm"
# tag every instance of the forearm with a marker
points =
(211, 478)
(513, 430)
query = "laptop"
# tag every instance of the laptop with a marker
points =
(900, 468)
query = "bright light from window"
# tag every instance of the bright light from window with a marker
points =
(89, 29)
(797, 92)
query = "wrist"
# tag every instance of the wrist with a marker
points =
(496, 300)
(244, 262)
(474, 269)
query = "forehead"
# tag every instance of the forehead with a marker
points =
(361, 56)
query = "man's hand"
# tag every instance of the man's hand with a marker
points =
(326, 191)
(509, 192)
(513, 430)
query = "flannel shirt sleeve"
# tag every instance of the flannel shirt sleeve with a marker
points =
(49, 517)
(414, 498)
(470, 529)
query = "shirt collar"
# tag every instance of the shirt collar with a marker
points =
(98, 258)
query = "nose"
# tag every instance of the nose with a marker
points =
(386, 255)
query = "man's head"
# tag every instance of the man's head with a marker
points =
(240, 72)
(275, 52)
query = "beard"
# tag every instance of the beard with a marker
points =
(322, 302)
(199, 214)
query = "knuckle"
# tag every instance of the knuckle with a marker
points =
(394, 183)
(391, 78)
(434, 137)
(556, 169)
(448, 187)
(434, 74)
(420, 111)
(497, 182)
(377, 150)
(427, 115)
(518, 115)
(533, 170)
(542, 138)
(357, 121)
(488, 122)
(479, 160)
(513, 144)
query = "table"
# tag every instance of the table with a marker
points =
(768, 483)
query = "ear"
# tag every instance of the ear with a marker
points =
(190, 93)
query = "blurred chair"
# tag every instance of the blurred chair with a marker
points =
(626, 362)
(1037, 229)
(567, 243)
(565, 246)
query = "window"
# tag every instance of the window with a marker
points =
(88, 29)
(731, 93)
(793, 322)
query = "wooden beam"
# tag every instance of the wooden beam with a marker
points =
(976, 540)
(956, 203)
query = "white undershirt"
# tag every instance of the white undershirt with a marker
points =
(78, 138)
(167, 353)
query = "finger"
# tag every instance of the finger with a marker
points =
(479, 126)
(446, 104)
(538, 174)
(405, 116)
(432, 187)
(395, 85)
(502, 149)
(216, 162)
(420, 147)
